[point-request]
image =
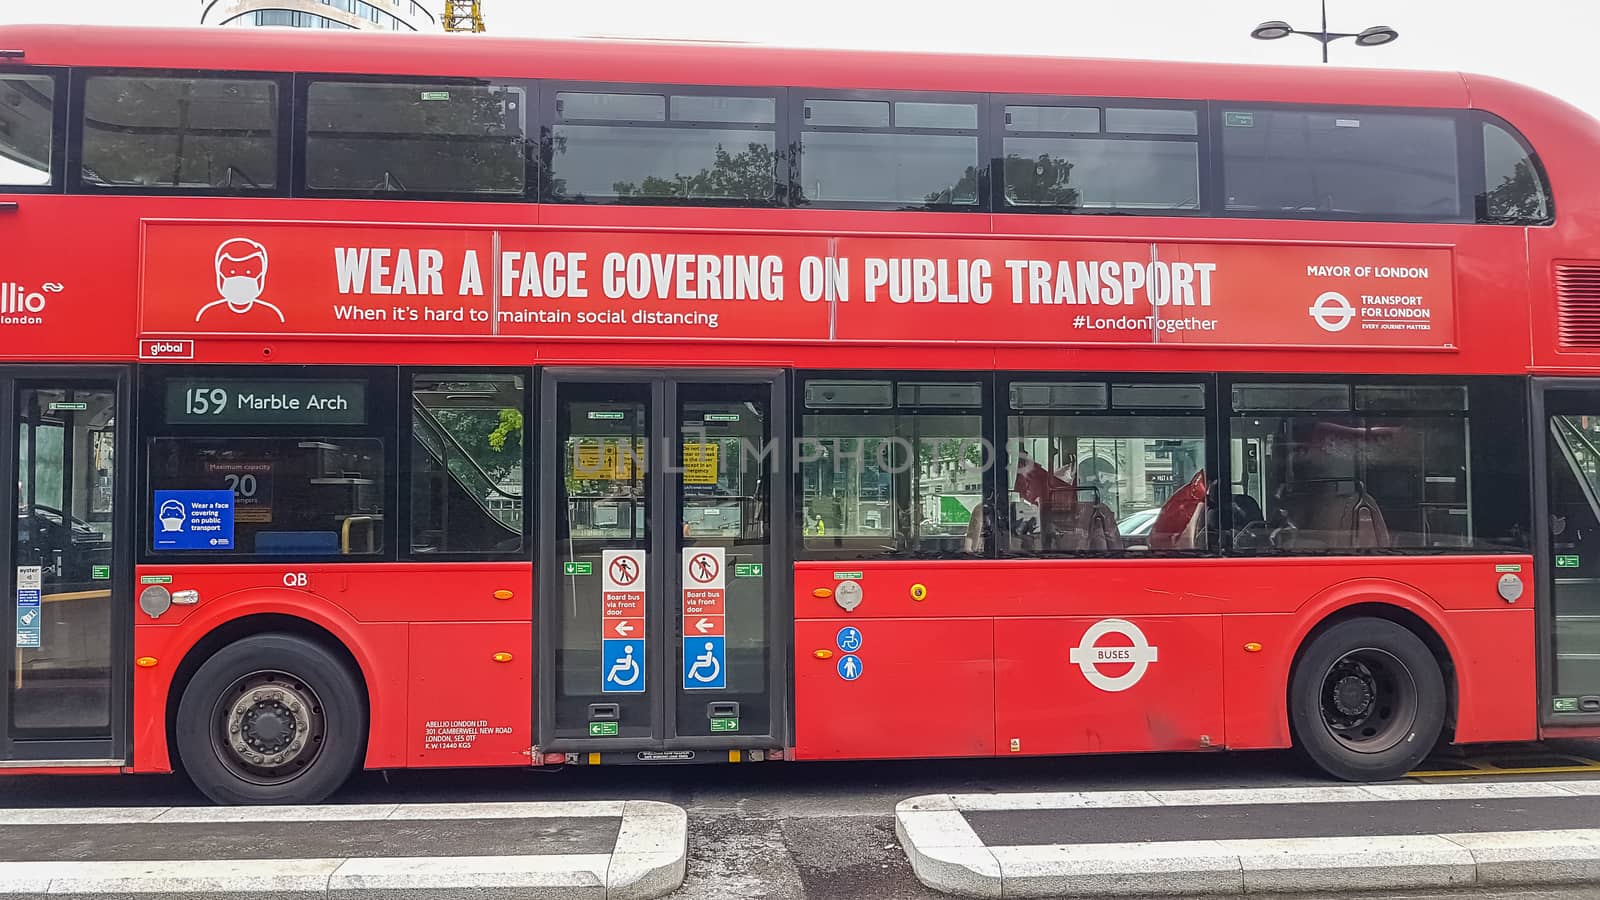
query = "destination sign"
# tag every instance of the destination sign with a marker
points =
(241, 401)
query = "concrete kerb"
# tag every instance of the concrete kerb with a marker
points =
(648, 860)
(947, 855)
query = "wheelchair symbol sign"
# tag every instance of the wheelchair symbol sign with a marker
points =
(622, 667)
(705, 663)
(849, 639)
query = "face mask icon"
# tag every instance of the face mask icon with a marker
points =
(172, 516)
(241, 270)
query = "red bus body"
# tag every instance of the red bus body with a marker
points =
(962, 657)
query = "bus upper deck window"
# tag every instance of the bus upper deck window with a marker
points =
(208, 134)
(1514, 188)
(27, 123)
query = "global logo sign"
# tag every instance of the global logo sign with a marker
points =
(1332, 311)
(1090, 655)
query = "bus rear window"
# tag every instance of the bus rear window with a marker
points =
(27, 121)
(205, 134)
(1515, 192)
(364, 137)
(1342, 162)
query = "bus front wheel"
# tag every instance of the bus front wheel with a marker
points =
(272, 718)
(1367, 700)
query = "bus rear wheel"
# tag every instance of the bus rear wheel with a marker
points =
(1367, 700)
(272, 718)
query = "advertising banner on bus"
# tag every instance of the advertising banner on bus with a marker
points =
(288, 279)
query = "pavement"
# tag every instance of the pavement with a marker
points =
(755, 831)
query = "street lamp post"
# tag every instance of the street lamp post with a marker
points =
(1376, 36)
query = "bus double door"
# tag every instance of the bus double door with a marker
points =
(64, 566)
(1567, 459)
(663, 570)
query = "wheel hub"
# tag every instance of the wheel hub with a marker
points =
(272, 728)
(1352, 696)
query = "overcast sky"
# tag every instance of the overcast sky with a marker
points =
(1548, 44)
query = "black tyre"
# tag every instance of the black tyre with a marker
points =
(1367, 701)
(272, 718)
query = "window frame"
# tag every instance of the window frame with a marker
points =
(302, 103)
(405, 387)
(283, 148)
(381, 425)
(986, 379)
(1480, 545)
(60, 77)
(1211, 423)
(985, 138)
(782, 139)
(1466, 162)
(996, 133)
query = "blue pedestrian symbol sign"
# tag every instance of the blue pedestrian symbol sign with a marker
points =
(850, 667)
(622, 667)
(705, 663)
(849, 639)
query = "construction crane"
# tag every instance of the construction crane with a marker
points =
(463, 15)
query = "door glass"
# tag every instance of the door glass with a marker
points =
(725, 559)
(60, 670)
(1575, 541)
(602, 541)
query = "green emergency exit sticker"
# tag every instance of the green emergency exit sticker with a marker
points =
(722, 417)
(602, 729)
(436, 95)
(607, 415)
(100, 573)
(1238, 119)
(155, 579)
(1567, 562)
(724, 725)
(747, 570)
(1508, 567)
(69, 407)
(847, 576)
(1566, 704)
(577, 568)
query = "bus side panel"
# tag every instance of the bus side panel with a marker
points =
(368, 608)
(1097, 685)
(1497, 669)
(379, 650)
(916, 688)
(471, 698)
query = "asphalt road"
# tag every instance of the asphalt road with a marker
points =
(764, 831)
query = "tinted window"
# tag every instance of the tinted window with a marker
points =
(1128, 477)
(200, 133)
(27, 123)
(421, 138)
(632, 146)
(291, 496)
(1373, 468)
(889, 469)
(1341, 162)
(466, 474)
(883, 151)
(1515, 193)
(1111, 161)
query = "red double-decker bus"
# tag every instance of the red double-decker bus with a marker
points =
(396, 401)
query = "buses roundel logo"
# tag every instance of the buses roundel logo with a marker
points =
(1089, 655)
(1332, 311)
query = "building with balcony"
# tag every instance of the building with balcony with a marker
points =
(371, 15)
